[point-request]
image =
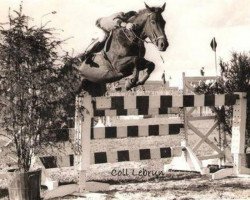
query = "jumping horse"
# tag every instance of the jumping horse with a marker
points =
(126, 50)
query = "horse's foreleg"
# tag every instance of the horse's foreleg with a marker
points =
(132, 81)
(150, 66)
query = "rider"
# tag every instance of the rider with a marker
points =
(108, 24)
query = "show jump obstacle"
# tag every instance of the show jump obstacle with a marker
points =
(87, 108)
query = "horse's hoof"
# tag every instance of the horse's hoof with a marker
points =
(139, 83)
(127, 89)
(127, 86)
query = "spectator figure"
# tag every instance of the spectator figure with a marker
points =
(163, 77)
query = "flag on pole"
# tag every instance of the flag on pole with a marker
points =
(213, 44)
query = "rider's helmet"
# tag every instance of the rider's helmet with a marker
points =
(129, 14)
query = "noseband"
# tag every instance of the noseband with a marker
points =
(155, 40)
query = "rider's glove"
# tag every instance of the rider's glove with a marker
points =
(130, 26)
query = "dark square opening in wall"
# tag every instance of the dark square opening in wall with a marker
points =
(99, 113)
(142, 104)
(230, 99)
(153, 130)
(165, 152)
(188, 101)
(111, 132)
(209, 100)
(117, 102)
(175, 128)
(100, 157)
(145, 154)
(132, 131)
(123, 155)
(166, 101)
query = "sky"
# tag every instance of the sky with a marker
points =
(190, 27)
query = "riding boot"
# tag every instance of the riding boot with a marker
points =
(97, 47)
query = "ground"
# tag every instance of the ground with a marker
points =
(172, 186)
(162, 185)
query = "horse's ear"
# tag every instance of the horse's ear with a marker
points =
(147, 7)
(163, 7)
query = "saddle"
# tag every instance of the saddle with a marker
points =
(106, 46)
(103, 46)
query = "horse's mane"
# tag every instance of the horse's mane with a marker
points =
(145, 11)
(153, 9)
(142, 11)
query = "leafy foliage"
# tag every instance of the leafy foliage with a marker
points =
(235, 77)
(34, 90)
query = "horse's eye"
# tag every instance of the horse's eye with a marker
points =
(152, 21)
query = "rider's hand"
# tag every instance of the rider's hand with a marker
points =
(130, 26)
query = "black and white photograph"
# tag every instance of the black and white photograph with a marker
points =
(124, 100)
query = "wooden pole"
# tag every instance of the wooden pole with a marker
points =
(185, 110)
(85, 134)
(221, 147)
(238, 133)
(215, 62)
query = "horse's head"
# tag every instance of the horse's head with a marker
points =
(154, 25)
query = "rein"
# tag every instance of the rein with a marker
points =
(123, 30)
(149, 42)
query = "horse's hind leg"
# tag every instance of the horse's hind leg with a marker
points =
(99, 74)
(145, 64)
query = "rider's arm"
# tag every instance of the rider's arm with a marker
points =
(121, 21)
(126, 25)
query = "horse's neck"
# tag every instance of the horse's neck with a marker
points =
(140, 21)
(123, 45)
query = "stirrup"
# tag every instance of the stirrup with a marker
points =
(89, 58)
(85, 56)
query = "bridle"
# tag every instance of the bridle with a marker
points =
(155, 39)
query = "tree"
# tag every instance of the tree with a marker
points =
(33, 89)
(235, 77)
